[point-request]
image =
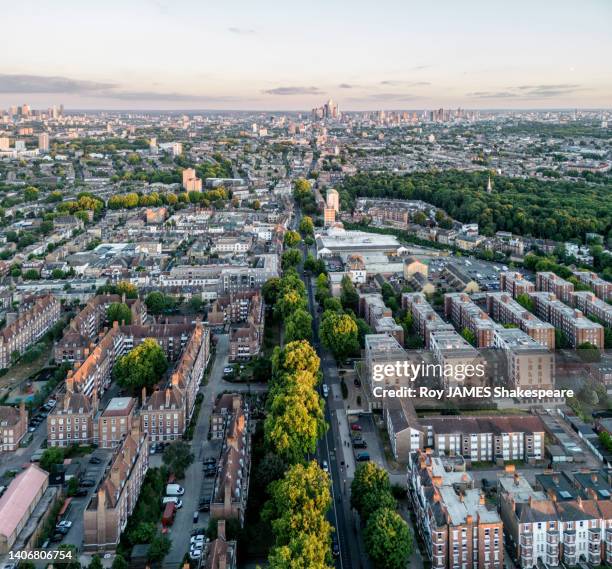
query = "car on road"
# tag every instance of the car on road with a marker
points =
(64, 524)
(355, 427)
(335, 545)
(362, 457)
(325, 390)
(196, 539)
(81, 492)
(325, 466)
(360, 444)
(87, 483)
(31, 429)
(210, 460)
(95, 460)
(196, 516)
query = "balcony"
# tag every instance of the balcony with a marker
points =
(552, 560)
(570, 559)
(552, 537)
(526, 550)
(594, 535)
(594, 558)
(569, 537)
(526, 539)
(552, 549)
(526, 561)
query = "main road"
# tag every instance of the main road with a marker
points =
(330, 448)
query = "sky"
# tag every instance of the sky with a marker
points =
(284, 55)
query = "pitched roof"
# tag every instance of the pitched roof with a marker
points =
(19, 496)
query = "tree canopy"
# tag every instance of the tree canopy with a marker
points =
(143, 366)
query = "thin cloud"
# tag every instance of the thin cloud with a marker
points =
(346, 86)
(527, 92)
(155, 96)
(241, 31)
(48, 84)
(492, 94)
(294, 91)
(397, 83)
(383, 97)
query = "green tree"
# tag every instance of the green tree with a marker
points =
(339, 333)
(144, 532)
(295, 422)
(388, 539)
(588, 352)
(290, 301)
(298, 326)
(295, 357)
(31, 275)
(178, 456)
(306, 225)
(143, 366)
(119, 312)
(160, 546)
(51, 457)
(369, 479)
(270, 290)
(95, 563)
(291, 239)
(349, 296)
(296, 512)
(469, 336)
(157, 302)
(526, 302)
(30, 194)
(120, 562)
(290, 258)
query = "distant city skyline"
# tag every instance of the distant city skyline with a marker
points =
(267, 56)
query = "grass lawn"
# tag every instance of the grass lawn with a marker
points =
(24, 370)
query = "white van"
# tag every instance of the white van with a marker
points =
(174, 490)
(176, 501)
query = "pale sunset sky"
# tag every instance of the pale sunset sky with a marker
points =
(280, 55)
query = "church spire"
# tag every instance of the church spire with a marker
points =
(489, 186)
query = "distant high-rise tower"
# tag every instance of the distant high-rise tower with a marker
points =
(43, 142)
(333, 200)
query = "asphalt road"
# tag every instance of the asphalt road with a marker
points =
(330, 448)
(180, 531)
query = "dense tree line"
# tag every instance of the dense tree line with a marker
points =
(388, 538)
(549, 209)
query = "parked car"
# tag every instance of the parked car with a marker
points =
(95, 460)
(363, 457)
(174, 490)
(325, 466)
(360, 444)
(195, 554)
(177, 502)
(87, 483)
(196, 516)
(64, 524)
(325, 390)
(355, 427)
